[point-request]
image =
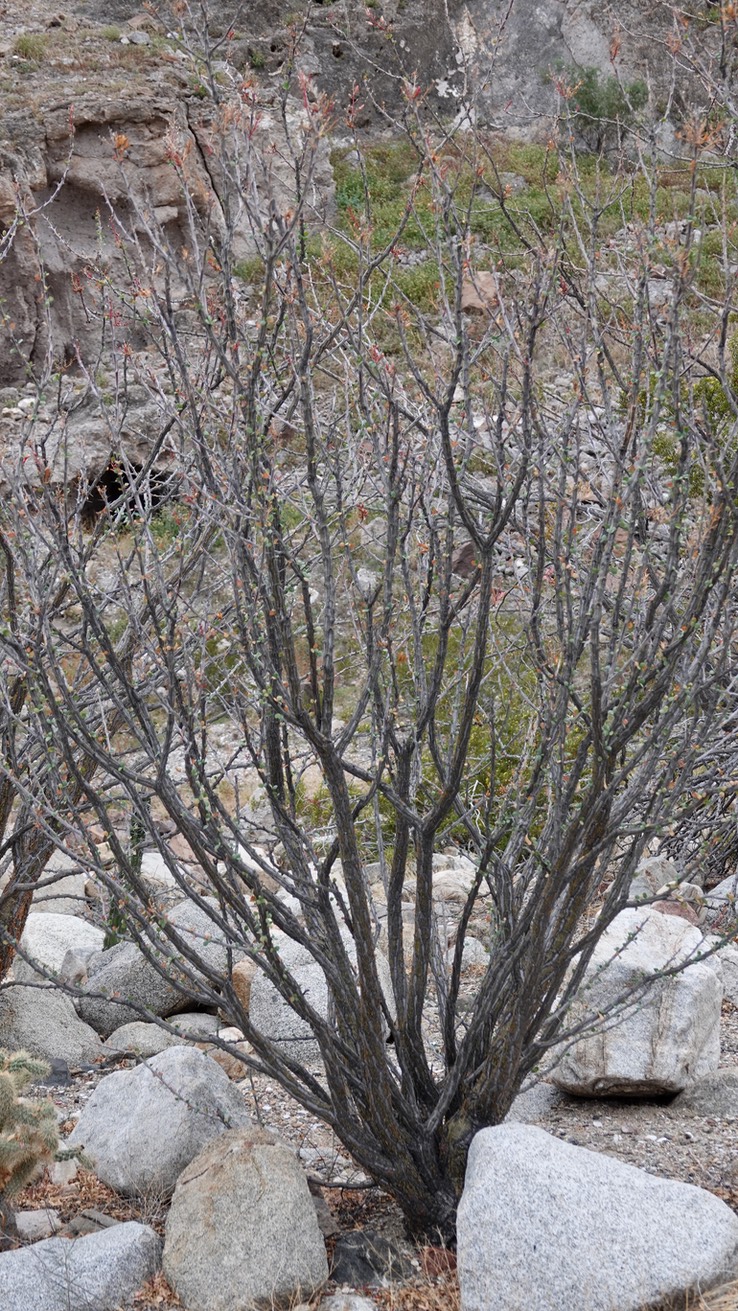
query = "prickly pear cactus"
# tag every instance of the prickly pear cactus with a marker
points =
(29, 1134)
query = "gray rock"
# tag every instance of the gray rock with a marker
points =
(670, 1033)
(242, 1228)
(474, 955)
(141, 1127)
(148, 1039)
(98, 1273)
(453, 876)
(46, 939)
(65, 896)
(716, 1094)
(124, 972)
(275, 1018)
(43, 1021)
(35, 1225)
(200, 1024)
(347, 1302)
(90, 1221)
(535, 1103)
(144, 1039)
(722, 904)
(660, 292)
(365, 1258)
(159, 879)
(62, 1173)
(544, 1225)
(728, 958)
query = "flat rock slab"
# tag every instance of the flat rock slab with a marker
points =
(366, 1258)
(34, 1225)
(100, 1272)
(543, 1225)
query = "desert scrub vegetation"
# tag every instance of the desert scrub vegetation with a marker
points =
(31, 46)
(462, 587)
(602, 107)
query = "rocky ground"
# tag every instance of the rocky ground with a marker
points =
(661, 1137)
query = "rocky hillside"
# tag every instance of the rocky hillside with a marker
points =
(96, 86)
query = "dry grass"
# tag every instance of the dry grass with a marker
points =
(442, 1294)
(722, 1299)
(425, 1294)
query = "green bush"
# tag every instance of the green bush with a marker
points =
(603, 106)
(250, 270)
(421, 285)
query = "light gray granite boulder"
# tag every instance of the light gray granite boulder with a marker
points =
(670, 1033)
(100, 1272)
(275, 1018)
(148, 1039)
(728, 958)
(535, 1103)
(543, 1225)
(123, 974)
(43, 1021)
(716, 1094)
(242, 1229)
(46, 939)
(67, 895)
(722, 905)
(159, 880)
(143, 1038)
(141, 1127)
(724, 961)
(197, 1025)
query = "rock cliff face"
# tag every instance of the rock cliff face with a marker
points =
(512, 49)
(104, 125)
(112, 165)
(85, 173)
